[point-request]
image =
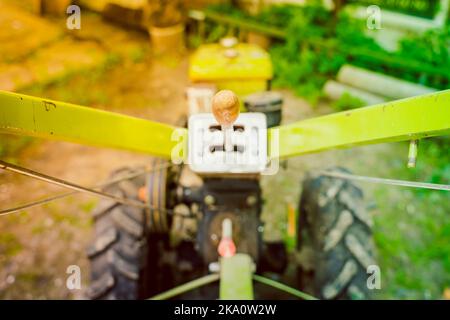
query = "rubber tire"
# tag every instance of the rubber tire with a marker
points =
(119, 254)
(335, 228)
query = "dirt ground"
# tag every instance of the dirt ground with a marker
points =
(37, 245)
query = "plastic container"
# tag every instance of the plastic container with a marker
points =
(268, 102)
(167, 40)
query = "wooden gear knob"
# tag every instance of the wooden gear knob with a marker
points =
(225, 107)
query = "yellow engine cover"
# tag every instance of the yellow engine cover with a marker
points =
(248, 71)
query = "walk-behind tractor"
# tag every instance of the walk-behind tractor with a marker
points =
(192, 218)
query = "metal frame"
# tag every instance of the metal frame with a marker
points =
(236, 282)
(236, 277)
(31, 116)
(407, 119)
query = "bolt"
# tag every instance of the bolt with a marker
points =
(251, 200)
(214, 267)
(412, 154)
(195, 208)
(209, 200)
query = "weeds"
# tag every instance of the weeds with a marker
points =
(317, 45)
(412, 227)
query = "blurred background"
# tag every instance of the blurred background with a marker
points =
(133, 57)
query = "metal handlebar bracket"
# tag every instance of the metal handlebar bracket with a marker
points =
(207, 154)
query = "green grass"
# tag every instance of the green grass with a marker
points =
(88, 206)
(347, 101)
(77, 88)
(10, 146)
(72, 87)
(412, 227)
(137, 54)
(317, 44)
(9, 245)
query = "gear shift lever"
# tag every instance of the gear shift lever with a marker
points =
(225, 108)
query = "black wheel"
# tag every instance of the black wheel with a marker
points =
(129, 245)
(119, 253)
(335, 239)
